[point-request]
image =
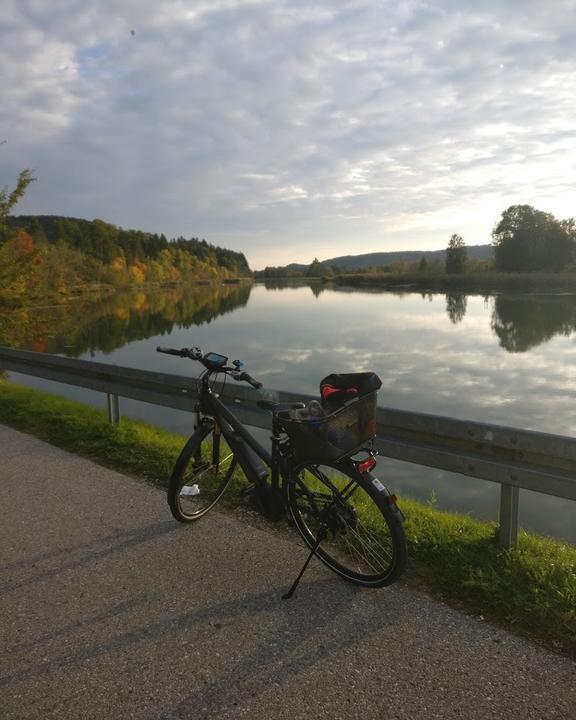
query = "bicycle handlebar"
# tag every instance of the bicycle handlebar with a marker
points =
(244, 377)
(169, 351)
(192, 353)
(196, 354)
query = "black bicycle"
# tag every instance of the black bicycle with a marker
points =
(319, 471)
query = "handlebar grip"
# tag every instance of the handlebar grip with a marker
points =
(244, 377)
(168, 351)
(249, 379)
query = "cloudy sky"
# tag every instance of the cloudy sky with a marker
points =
(289, 129)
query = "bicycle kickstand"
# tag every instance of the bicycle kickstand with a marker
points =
(321, 536)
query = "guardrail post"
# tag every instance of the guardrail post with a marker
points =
(508, 532)
(113, 409)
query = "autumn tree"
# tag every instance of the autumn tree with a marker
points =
(8, 200)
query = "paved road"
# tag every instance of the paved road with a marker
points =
(109, 609)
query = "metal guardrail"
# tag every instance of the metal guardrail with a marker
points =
(513, 458)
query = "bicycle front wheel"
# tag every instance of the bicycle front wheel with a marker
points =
(361, 537)
(201, 474)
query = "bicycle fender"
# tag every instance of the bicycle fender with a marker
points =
(389, 497)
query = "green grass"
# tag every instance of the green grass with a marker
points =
(131, 446)
(531, 589)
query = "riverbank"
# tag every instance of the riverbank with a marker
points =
(531, 590)
(473, 283)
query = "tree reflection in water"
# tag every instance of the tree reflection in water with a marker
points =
(520, 322)
(116, 320)
(456, 307)
(523, 322)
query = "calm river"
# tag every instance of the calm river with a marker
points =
(502, 359)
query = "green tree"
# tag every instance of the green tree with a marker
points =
(316, 269)
(456, 255)
(423, 265)
(327, 272)
(529, 240)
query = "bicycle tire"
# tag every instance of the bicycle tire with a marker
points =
(201, 474)
(364, 539)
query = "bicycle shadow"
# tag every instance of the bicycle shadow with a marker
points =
(305, 630)
(97, 549)
(302, 639)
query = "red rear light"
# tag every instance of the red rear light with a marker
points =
(391, 499)
(367, 465)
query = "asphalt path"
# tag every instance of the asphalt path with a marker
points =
(110, 609)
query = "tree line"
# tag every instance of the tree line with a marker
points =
(524, 240)
(53, 256)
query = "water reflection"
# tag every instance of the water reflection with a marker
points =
(119, 319)
(523, 322)
(317, 288)
(519, 322)
(456, 307)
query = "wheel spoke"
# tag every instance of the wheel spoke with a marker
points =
(368, 550)
(198, 482)
(363, 540)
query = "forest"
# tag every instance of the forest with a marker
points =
(52, 257)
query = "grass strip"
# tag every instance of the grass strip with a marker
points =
(531, 589)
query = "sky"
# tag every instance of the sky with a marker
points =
(291, 129)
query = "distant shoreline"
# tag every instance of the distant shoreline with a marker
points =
(481, 283)
(478, 284)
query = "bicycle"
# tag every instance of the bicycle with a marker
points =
(345, 515)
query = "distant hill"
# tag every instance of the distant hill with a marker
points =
(360, 262)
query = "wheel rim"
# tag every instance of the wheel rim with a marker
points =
(204, 479)
(356, 539)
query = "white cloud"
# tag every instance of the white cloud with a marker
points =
(290, 129)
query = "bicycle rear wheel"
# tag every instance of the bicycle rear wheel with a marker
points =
(361, 537)
(201, 474)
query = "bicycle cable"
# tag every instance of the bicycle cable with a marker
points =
(223, 383)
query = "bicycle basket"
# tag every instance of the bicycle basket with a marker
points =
(329, 438)
(337, 389)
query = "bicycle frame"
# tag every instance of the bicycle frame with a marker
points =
(233, 430)
(319, 493)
